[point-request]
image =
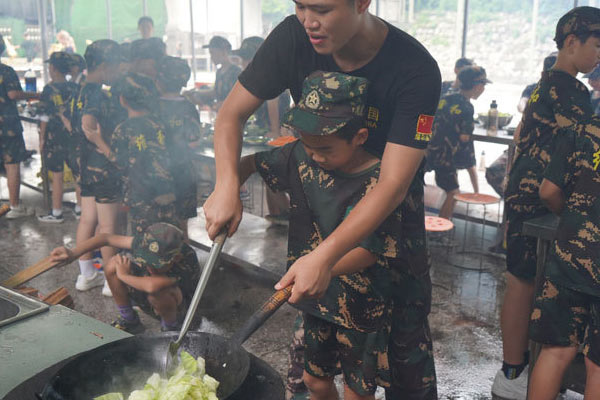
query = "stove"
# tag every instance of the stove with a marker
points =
(262, 382)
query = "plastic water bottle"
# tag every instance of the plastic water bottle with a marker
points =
(30, 81)
(492, 128)
(482, 161)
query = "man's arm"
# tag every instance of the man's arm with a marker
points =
(311, 273)
(100, 240)
(16, 95)
(356, 260)
(224, 207)
(552, 196)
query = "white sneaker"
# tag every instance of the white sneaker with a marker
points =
(84, 283)
(510, 389)
(106, 290)
(19, 212)
(51, 218)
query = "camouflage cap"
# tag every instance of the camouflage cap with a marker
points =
(578, 21)
(249, 47)
(102, 51)
(594, 75)
(151, 48)
(139, 91)
(473, 75)
(173, 71)
(61, 60)
(329, 101)
(158, 246)
(218, 42)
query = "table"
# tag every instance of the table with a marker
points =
(544, 229)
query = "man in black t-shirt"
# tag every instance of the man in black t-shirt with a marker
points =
(404, 91)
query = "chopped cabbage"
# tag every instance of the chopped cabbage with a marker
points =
(188, 382)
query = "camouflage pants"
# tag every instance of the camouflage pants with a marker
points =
(565, 317)
(361, 357)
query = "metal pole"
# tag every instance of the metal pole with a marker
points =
(241, 20)
(575, 3)
(42, 13)
(144, 7)
(377, 8)
(192, 41)
(108, 19)
(465, 26)
(534, 21)
(53, 14)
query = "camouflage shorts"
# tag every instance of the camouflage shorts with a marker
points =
(465, 155)
(12, 149)
(55, 157)
(565, 317)
(362, 356)
(521, 258)
(144, 216)
(104, 192)
(447, 179)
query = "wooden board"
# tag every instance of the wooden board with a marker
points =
(30, 272)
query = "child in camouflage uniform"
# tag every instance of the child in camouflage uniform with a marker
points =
(559, 101)
(566, 312)
(100, 187)
(182, 123)
(453, 124)
(145, 55)
(54, 136)
(160, 276)
(12, 145)
(139, 151)
(326, 173)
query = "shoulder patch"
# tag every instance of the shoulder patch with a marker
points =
(424, 128)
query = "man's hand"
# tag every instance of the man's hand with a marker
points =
(60, 254)
(94, 135)
(123, 265)
(223, 208)
(310, 278)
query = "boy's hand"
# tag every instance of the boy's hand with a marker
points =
(123, 265)
(92, 134)
(310, 277)
(60, 254)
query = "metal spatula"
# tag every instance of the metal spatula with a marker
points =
(215, 251)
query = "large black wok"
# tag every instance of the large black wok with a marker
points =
(126, 364)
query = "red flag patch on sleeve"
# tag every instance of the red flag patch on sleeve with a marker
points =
(424, 128)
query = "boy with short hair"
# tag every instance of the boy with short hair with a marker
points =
(326, 172)
(138, 150)
(182, 123)
(160, 275)
(567, 305)
(54, 137)
(559, 101)
(454, 124)
(145, 55)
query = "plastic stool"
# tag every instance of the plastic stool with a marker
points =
(476, 199)
(440, 225)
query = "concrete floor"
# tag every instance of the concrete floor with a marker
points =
(464, 317)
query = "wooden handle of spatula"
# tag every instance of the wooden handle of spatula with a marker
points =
(31, 272)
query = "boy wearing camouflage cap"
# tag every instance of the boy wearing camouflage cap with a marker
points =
(160, 275)
(55, 143)
(566, 310)
(182, 127)
(138, 149)
(326, 172)
(454, 125)
(559, 101)
(100, 187)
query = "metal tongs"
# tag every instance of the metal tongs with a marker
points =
(213, 256)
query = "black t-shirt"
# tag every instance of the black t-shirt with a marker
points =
(404, 90)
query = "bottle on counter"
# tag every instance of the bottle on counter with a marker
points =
(30, 81)
(482, 166)
(492, 126)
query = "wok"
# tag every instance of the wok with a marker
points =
(126, 364)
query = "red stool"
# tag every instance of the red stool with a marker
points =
(438, 225)
(476, 199)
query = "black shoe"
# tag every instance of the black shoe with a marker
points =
(134, 327)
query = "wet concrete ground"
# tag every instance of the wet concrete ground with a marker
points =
(464, 317)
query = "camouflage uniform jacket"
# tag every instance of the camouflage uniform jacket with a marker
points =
(10, 125)
(225, 80)
(182, 127)
(116, 111)
(139, 152)
(558, 101)
(55, 100)
(574, 258)
(92, 100)
(453, 118)
(320, 200)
